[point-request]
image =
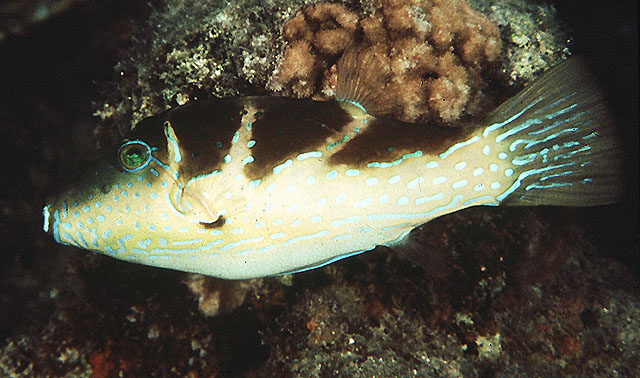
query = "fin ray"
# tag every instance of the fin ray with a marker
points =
(363, 78)
(561, 140)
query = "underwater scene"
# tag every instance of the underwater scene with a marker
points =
(296, 188)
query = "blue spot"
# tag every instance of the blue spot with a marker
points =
(149, 184)
(98, 203)
(119, 222)
(167, 228)
(163, 215)
(331, 145)
(76, 214)
(311, 180)
(307, 155)
(352, 172)
(439, 180)
(371, 181)
(254, 183)
(235, 138)
(251, 143)
(282, 166)
(129, 185)
(421, 200)
(155, 173)
(146, 207)
(106, 234)
(227, 159)
(139, 178)
(247, 160)
(108, 208)
(137, 226)
(151, 227)
(100, 218)
(331, 175)
(90, 220)
(163, 242)
(75, 203)
(136, 195)
(403, 201)
(315, 219)
(127, 208)
(86, 209)
(266, 249)
(124, 193)
(307, 237)
(394, 180)
(249, 126)
(457, 146)
(115, 198)
(432, 164)
(154, 196)
(164, 184)
(460, 166)
(144, 243)
(117, 186)
(90, 196)
(79, 224)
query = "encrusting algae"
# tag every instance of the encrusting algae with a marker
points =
(438, 54)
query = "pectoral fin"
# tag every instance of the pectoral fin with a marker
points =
(187, 194)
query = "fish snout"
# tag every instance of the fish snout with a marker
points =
(47, 218)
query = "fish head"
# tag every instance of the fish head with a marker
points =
(132, 203)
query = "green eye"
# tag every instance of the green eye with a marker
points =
(134, 155)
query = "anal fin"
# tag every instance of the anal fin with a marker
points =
(415, 247)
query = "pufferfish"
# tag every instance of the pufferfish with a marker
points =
(248, 187)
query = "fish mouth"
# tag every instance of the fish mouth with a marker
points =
(46, 215)
(51, 225)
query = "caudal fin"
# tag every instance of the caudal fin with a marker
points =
(561, 141)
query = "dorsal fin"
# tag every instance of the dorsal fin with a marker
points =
(363, 78)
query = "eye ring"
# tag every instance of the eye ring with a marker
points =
(134, 155)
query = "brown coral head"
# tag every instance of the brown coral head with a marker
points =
(437, 52)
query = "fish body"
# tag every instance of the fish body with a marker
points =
(255, 186)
